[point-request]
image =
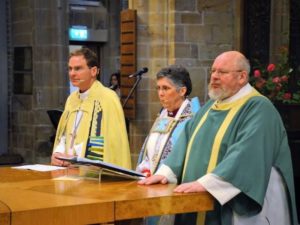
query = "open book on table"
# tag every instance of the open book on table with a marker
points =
(107, 166)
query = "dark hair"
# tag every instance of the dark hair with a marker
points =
(117, 75)
(178, 75)
(90, 56)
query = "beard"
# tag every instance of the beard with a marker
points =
(219, 93)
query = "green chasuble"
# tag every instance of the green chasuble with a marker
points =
(245, 146)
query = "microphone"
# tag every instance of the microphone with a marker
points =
(139, 73)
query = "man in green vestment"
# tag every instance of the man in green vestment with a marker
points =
(235, 148)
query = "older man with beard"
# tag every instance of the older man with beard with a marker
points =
(235, 148)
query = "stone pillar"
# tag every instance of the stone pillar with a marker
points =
(110, 51)
(50, 50)
(153, 52)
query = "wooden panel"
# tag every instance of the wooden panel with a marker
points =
(127, 84)
(128, 27)
(126, 91)
(33, 196)
(93, 213)
(127, 48)
(4, 214)
(128, 15)
(163, 205)
(129, 105)
(33, 199)
(128, 59)
(127, 71)
(129, 113)
(127, 37)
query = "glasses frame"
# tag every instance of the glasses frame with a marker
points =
(221, 73)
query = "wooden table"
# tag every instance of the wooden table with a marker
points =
(29, 197)
(4, 214)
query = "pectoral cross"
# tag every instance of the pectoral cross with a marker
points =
(76, 125)
(73, 136)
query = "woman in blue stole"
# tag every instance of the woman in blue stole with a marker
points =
(173, 88)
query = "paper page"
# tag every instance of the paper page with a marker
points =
(39, 167)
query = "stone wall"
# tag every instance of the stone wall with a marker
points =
(41, 25)
(191, 33)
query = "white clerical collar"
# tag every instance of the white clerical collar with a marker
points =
(83, 95)
(241, 93)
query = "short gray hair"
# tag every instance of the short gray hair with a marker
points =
(178, 75)
(244, 64)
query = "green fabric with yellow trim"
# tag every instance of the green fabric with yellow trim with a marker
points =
(254, 142)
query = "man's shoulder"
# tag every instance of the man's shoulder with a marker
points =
(207, 105)
(107, 97)
(99, 89)
(72, 97)
(261, 102)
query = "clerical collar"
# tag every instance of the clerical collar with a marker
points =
(83, 95)
(241, 93)
(173, 113)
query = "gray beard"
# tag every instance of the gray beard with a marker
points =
(218, 95)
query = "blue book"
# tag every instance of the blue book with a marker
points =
(107, 166)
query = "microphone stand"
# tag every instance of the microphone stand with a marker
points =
(137, 81)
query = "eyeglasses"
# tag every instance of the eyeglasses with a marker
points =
(221, 73)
